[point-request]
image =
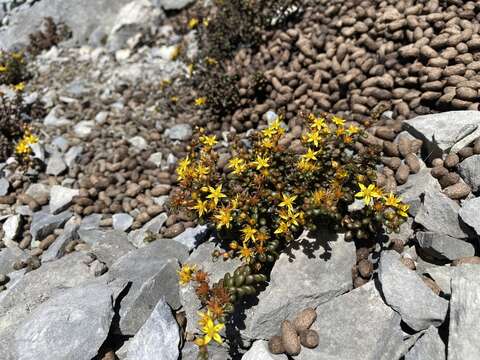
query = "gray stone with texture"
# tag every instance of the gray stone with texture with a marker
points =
(469, 170)
(408, 295)
(440, 214)
(318, 270)
(158, 335)
(356, 326)
(429, 347)
(443, 247)
(464, 326)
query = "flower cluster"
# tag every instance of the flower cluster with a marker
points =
(23, 149)
(268, 192)
(13, 69)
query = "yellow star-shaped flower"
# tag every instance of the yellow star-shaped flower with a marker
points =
(261, 162)
(310, 155)
(367, 193)
(288, 201)
(249, 233)
(215, 194)
(314, 137)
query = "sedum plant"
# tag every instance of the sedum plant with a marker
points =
(13, 69)
(269, 193)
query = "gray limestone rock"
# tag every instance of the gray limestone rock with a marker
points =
(464, 327)
(356, 326)
(158, 335)
(318, 270)
(408, 295)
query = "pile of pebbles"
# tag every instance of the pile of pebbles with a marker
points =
(346, 57)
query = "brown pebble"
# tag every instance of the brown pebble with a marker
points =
(309, 338)
(275, 345)
(362, 253)
(437, 162)
(290, 339)
(398, 245)
(162, 189)
(25, 243)
(457, 191)
(404, 145)
(304, 319)
(45, 243)
(36, 252)
(413, 163)
(401, 176)
(451, 160)
(392, 162)
(438, 172)
(359, 281)
(365, 268)
(476, 146)
(7, 200)
(19, 264)
(449, 179)
(465, 152)
(174, 230)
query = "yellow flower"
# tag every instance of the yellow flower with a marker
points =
(185, 274)
(201, 207)
(319, 196)
(340, 131)
(288, 201)
(352, 130)
(246, 253)
(367, 193)
(211, 331)
(190, 69)
(215, 194)
(19, 86)
(200, 101)
(204, 317)
(205, 22)
(310, 155)
(276, 124)
(403, 210)
(182, 168)
(318, 123)
(209, 140)
(306, 166)
(238, 165)
(267, 143)
(314, 137)
(3, 68)
(392, 200)
(192, 23)
(249, 233)
(224, 218)
(261, 163)
(282, 228)
(338, 120)
(202, 169)
(269, 132)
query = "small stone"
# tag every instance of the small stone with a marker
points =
(304, 319)
(61, 198)
(162, 189)
(472, 260)
(457, 191)
(469, 214)
(138, 142)
(4, 186)
(275, 345)
(156, 158)
(443, 247)
(182, 132)
(365, 268)
(56, 165)
(309, 338)
(122, 222)
(469, 169)
(408, 262)
(290, 339)
(451, 160)
(84, 128)
(174, 230)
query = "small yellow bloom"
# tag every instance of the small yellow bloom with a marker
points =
(224, 218)
(211, 61)
(282, 228)
(3, 68)
(318, 123)
(261, 162)
(352, 130)
(200, 101)
(209, 140)
(190, 69)
(288, 201)
(249, 233)
(203, 170)
(367, 193)
(205, 22)
(201, 207)
(314, 137)
(392, 200)
(269, 132)
(204, 317)
(310, 155)
(211, 331)
(192, 23)
(238, 165)
(246, 253)
(185, 274)
(19, 86)
(215, 194)
(338, 121)
(403, 210)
